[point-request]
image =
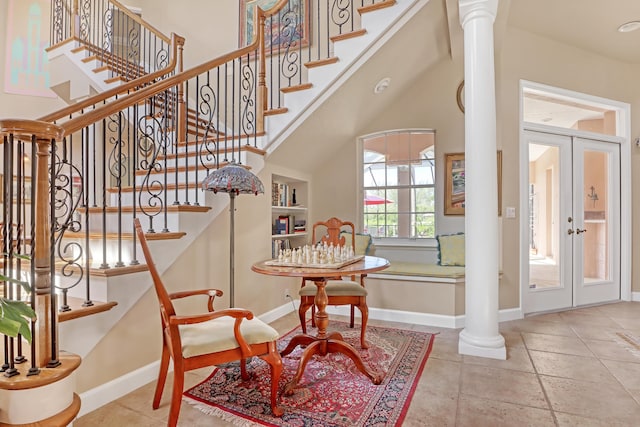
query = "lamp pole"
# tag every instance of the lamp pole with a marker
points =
(232, 196)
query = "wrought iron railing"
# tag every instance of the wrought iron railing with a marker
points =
(127, 46)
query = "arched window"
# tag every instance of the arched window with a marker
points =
(398, 183)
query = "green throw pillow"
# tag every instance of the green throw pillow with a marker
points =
(363, 242)
(451, 249)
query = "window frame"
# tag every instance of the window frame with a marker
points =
(427, 242)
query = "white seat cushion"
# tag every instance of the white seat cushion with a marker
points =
(217, 335)
(335, 288)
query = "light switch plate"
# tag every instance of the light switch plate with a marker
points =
(511, 212)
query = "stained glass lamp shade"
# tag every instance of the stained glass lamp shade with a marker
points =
(234, 180)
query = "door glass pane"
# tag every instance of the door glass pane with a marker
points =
(596, 217)
(544, 221)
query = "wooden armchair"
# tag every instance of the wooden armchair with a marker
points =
(208, 339)
(339, 292)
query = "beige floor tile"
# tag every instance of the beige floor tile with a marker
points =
(556, 344)
(635, 393)
(571, 366)
(141, 400)
(521, 388)
(621, 309)
(190, 416)
(116, 415)
(632, 323)
(548, 328)
(441, 333)
(581, 318)
(612, 350)
(626, 372)
(441, 375)
(474, 412)
(545, 317)
(591, 332)
(571, 420)
(433, 410)
(446, 349)
(512, 339)
(517, 359)
(592, 400)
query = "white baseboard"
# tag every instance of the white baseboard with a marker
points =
(425, 319)
(635, 296)
(115, 389)
(278, 312)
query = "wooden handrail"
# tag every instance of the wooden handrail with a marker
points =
(139, 20)
(176, 58)
(25, 129)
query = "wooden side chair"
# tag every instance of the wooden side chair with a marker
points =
(208, 339)
(339, 292)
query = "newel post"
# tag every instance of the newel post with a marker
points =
(182, 110)
(46, 342)
(44, 135)
(262, 93)
(75, 20)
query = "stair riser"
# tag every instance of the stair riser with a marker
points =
(143, 198)
(126, 220)
(99, 289)
(190, 176)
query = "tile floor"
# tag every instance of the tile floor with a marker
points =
(563, 369)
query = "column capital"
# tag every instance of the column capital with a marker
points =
(471, 9)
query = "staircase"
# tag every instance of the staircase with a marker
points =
(142, 145)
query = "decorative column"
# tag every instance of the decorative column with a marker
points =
(480, 337)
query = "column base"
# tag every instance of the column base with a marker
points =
(490, 347)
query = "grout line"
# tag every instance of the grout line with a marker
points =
(544, 391)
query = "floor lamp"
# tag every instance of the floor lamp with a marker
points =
(235, 180)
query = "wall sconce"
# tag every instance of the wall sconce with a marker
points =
(593, 196)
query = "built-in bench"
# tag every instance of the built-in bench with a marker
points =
(422, 272)
(418, 284)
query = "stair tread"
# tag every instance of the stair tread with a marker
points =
(376, 6)
(77, 310)
(274, 111)
(129, 209)
(303, 86)
(345, 36)
(170, 235)
(321, 62)
(168, 187)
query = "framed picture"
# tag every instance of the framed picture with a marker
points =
(294, 16)
(454, 191)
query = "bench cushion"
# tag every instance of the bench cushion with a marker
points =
(420, 269)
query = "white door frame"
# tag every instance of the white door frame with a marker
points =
(623, 129)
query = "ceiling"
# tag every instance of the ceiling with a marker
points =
(588, 24)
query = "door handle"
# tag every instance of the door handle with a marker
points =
(579, 231)
(570, 231)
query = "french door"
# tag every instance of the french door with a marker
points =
(574, 222)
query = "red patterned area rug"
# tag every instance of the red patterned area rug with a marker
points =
(332, 391)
